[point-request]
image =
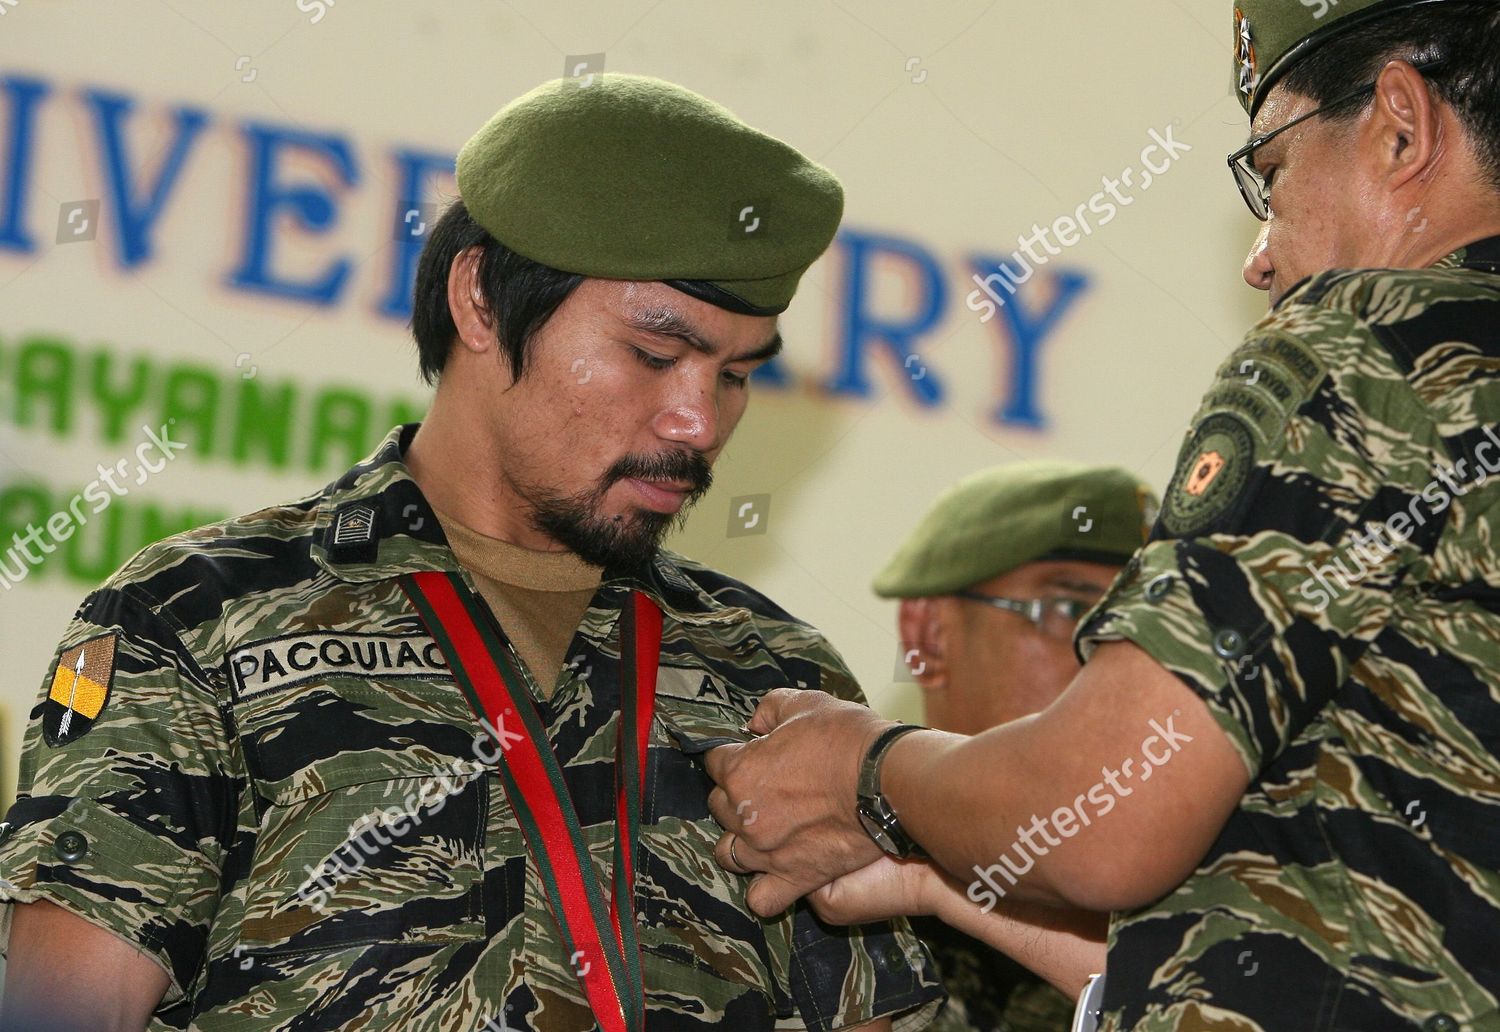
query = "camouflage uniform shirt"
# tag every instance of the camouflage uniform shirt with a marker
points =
(1324, 575)
(269, 782)
(988, 991)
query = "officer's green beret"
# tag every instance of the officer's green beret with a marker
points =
(629, 177)
(1001, 518)
(1270, 36)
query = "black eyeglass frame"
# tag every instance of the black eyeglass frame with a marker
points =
(1252, 186)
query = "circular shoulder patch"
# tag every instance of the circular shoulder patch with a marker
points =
(1211, 474)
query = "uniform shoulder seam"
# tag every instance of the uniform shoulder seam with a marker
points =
(764, 607)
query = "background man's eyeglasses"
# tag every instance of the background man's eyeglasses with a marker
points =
(1056, 616)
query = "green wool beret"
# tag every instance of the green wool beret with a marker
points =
(1270, 36)
(1001, 518)
(630, 177)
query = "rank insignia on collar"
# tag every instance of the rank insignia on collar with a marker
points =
(1244, 53)
(351, 537)
(80, 688)
(354, 526)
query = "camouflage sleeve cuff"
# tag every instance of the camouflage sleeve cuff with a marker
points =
(1263, 669)
(92, 862)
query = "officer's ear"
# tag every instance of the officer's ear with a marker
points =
(925, 632)
(1406, 125)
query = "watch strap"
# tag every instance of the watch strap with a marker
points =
(869, 770)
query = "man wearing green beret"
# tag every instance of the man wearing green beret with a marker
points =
(1279, 766)
(995, 577)
(422, 751)
(993, 580)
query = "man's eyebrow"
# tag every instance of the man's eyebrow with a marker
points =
(666, 323)
(1257, 152)
(1068, 583)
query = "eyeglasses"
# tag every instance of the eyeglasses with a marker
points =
(1253, 187)
(1055, 616)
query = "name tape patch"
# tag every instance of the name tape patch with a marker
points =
(283, 662)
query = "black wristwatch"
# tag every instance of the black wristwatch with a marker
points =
(874, 810)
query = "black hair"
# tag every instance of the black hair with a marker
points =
(1464, 36)
(519, 294)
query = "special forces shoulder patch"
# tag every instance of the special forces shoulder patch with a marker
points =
(1244, 419)
(80, 690)
(1211, 475)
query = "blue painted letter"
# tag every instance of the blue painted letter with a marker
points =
(861, 326)
(23, 96)
(1025, 331)
(313, 207)
(414, 168)
(132, 219)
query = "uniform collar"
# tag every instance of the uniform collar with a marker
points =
(1482, 254)
(374, 523)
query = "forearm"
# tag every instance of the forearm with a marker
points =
(1041, 791)
(1104, 801)
(64, 974)
(938, 783)
(1063, 946)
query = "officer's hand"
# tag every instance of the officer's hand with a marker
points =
(885, 889)
(786, 801)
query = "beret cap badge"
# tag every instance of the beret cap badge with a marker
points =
(1244, 53)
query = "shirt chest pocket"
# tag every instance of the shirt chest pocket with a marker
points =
(372, 806)
(700, 942)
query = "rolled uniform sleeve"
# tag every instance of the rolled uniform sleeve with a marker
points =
(1284, 539)
(123, 800)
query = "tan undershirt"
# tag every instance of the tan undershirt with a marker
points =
(538, 597)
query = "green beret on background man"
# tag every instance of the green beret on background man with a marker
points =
(991, 584)
(423, 749)
(1278, 769)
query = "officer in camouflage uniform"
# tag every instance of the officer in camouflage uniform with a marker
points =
(1318, 608)
(1329, 538)
(252, 763)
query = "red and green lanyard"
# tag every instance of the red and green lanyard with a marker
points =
(602, 946)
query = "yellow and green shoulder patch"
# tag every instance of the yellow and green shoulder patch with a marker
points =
(80, 690)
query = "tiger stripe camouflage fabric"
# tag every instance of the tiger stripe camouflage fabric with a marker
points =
(286, 801)
(1324, 575)
(987, 990)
